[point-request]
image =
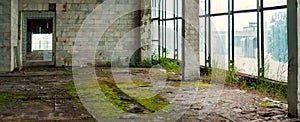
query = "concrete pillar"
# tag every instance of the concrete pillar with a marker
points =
(8, 34)
(294, 58)
(145, 27)
(190, 56)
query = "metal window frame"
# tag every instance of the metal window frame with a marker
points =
(231, 26)
(162, 30)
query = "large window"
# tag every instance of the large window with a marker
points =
(167, 28)
(250, 35)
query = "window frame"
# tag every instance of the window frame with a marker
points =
(260, 9)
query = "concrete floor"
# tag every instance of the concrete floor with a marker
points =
(48, 94)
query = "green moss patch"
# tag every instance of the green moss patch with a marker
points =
(268, 104)
(142, 84)
(103, 74)
(199, 84)
(107, 87)
(155, 103)
(123, 101)
(6, 97)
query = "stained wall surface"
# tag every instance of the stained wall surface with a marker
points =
(8, 34)
(70, 16)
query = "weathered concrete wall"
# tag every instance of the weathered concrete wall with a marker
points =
(191, 69)
(70, 15)
(146, 29)
(14, 22)
(14, 30)
(122, 38)
(5, 43)
(8, 33)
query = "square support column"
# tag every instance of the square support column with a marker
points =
(8, 34)
(190, 42)
(145, 27)
(294, 58)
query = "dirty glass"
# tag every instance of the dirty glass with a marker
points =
(276, 44)
(202, 40)
(219, 42)
(245, 43)
(245, 4)
(271, 3)
(219, 6)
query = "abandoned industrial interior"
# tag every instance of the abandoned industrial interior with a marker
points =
(149, 60)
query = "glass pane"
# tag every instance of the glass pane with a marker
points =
(179, 8)
(154, 36)
(202, 7)
(154, 6)
(170, 8)
(171, 5)
(202, 40)
(154, 30)
(41, 42)
(245, 4)
(270, 3)
(219, 6)
(154, 46)
(162, 36)
(245, 43)
(219, 42)
(170, 39)
(176, 38)
(179, 35)
(276, 45)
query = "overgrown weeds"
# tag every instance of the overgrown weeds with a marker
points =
(171, 65)
(275, 89)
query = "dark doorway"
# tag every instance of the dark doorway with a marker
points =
(39, 40)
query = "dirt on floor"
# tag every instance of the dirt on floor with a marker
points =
(49, 94)
(40, 94)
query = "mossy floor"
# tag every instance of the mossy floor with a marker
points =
(139, 90)
(41, 95)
